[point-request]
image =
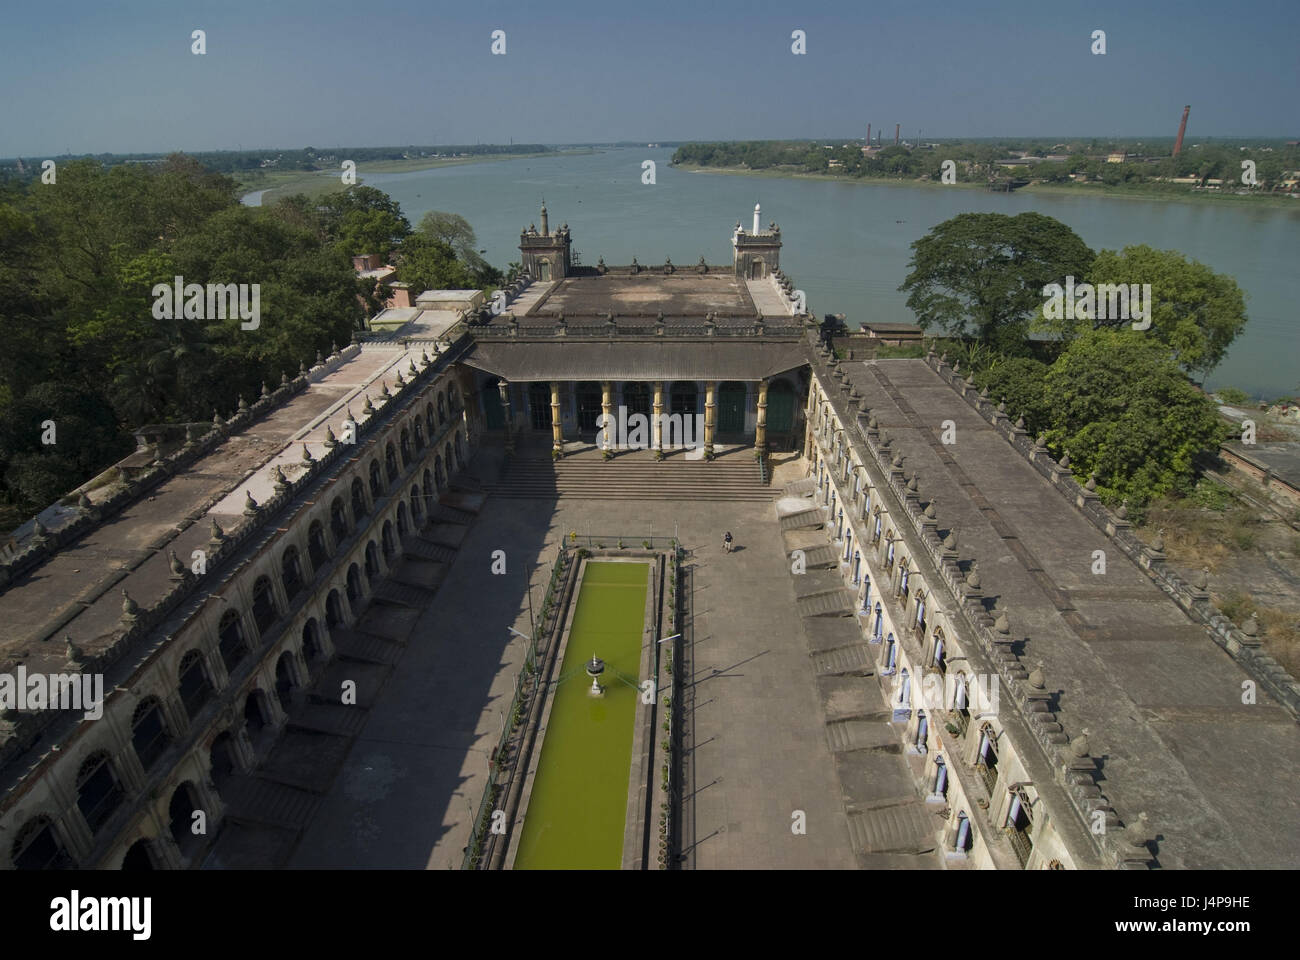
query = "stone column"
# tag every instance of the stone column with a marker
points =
(656, 431)
(607, 408)
(709, 406)
(760, 429)
(557, 424)
(504, 388)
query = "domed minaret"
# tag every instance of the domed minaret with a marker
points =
(545, 255)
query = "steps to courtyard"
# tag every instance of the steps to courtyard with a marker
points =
(631, 476)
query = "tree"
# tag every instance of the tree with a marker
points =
(455, 231)
(985, 272)
(429, 264)
(1195, 312)
(1117, 402)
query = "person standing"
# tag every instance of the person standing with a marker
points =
(726, 542)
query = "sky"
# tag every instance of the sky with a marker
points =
(85, 76)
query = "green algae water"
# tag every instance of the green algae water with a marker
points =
(576, 812)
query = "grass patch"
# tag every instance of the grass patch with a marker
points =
(1279, 629)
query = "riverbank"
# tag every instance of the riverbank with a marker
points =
(1143, 192)
(276, 185)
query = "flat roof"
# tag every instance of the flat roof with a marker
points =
(684, 294)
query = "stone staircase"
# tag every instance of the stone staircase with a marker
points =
(252, 799)
(854, 660)
(905, 828)
(632, 476)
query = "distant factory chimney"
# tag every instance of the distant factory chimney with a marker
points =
(868, 134)
(756, 218)
(1182, 128)
(896, 129)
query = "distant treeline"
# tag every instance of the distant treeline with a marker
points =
(307, 158)
(978, 160)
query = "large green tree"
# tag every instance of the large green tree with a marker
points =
(1122, 407)
(1195, 312)
(983, 274)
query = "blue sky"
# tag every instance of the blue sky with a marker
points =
(87, 76)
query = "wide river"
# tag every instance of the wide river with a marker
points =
(848, 244)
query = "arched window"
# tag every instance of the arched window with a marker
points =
(940, 782)
(148, 735)
(376, 482)
(404, 443)
(312, 652)
(447, 458)
(286, 680)
(386, 538)
(403, 525)
(922, 732)
(138, 856)
(291, 573)
(417, 512)
(418, 431)
(196, 689)
(390, 462)
(316, 549)
(358, 503)
(37, 847)
(264, 608)
(372, 563)
(230, 640)
(986, 758)
(442, 408)
(429, 421)
(354, 587)
(98, 792)
(333, 610)
(338, 521)
(891, 656)
(962, 839)
(180, 815)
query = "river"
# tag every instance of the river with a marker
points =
(847, 244)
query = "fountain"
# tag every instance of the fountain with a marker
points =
(595, 667)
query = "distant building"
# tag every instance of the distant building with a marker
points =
(1117, 157)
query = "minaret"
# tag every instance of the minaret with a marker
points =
(756, 218)
(545, 230)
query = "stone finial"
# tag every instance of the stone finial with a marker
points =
(1002, 625)
(1122, 512)
(897, 461)
(284, 379)
(319, 359)
(216, 419)
(872, 424)
(401, 381)
(1065, 460)
(331, 441)
(367, 408)
(1002, 405)
(177, 568)
(929, 509)
(347, 414)
(984, 393)
(1079, 746)
(265, 392)
(250, 505)
(410, 367)
(1251, 627)
(306, 455)
(424, 357)
(83, 501)
(243, 404)
(1091, 485)
(191, 434)
(302, 368)
(215, 534)
(1202, 579)
(911, 483)
(956, 366)
(1158, 544)
(278, 478)
(1041, 442)
(1138, 833)
(334, 348)
(973, 578)
(73, 652)
(1036, 678)
(383, 391)
(130, 609)
(950, 541)
(1020, 422)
